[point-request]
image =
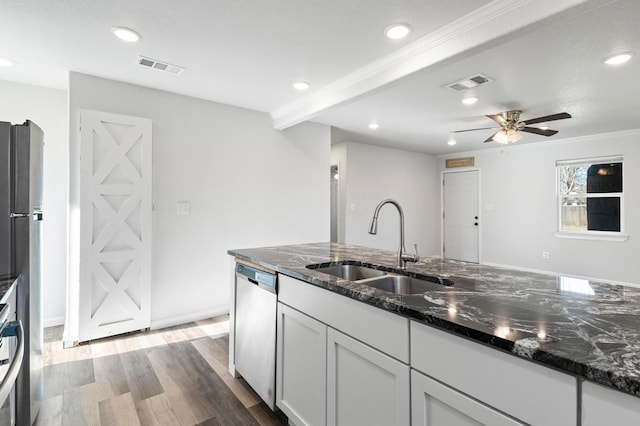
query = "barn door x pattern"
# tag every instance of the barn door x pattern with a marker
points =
(115, 258)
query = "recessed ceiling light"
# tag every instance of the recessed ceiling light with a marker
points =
(126, 34)
(451, 141)
(301, 85)
(618, 59)
(6, 62)
(397, 31)
(373, 125)
(470, 100)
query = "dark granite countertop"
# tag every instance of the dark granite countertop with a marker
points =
(585, 328)
(5, 285)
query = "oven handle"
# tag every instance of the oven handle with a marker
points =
(4, 314)
(14, 328)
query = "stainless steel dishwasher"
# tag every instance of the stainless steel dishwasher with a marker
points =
(255, 330)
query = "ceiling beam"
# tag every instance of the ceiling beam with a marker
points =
(496, 19)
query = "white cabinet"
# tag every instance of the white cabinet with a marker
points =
(385, 331)
(364, 386)
(341, 363)
(434, 404)
(602, 406)
(526, 391)
(301, 367)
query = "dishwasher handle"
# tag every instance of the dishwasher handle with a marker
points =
(262, 279)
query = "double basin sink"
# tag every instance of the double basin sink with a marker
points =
(390, 281)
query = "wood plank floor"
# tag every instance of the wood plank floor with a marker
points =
(173, 376)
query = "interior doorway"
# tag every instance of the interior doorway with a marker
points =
(334, 203)
(461, 215)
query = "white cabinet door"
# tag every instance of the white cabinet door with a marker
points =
(603, 406)
(434, 404)
(364, 386)
(301, 380)
(500, 380)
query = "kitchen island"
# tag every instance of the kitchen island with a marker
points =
(586, 329)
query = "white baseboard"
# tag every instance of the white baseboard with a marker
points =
(183, 319)
(52, 322)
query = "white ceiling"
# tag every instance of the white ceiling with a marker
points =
(544, 55)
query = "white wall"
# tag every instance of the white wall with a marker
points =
(48, 109)
(519, 181)
(248, 184)
(374, 173)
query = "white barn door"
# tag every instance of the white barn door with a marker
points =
(115, 224)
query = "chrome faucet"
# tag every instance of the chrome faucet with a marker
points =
(403, 256)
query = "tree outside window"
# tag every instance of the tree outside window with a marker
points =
(590, 195)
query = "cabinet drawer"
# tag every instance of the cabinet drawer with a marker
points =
(601, 405)
(383, 330)
(434, 404)
(520, 388)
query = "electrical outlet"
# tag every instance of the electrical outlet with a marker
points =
(183, 207)
(545, 254)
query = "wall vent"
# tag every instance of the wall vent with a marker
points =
(469, 82)
(159, 65)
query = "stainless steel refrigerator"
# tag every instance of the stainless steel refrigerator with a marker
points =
(21, 150)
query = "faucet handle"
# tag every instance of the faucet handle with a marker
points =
(409, 257)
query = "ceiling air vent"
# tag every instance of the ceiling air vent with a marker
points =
(469, 82)
(159, 65)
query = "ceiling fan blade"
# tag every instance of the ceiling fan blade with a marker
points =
(472, 130)
(498, 118)
(490, 139)
(552, 117)
(537, 131)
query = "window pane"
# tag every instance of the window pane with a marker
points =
(573, 179)
(603, 214)
(574, 214)
(604, 178)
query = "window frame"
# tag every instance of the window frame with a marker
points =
(590, 234)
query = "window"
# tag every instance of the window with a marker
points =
(590, 197)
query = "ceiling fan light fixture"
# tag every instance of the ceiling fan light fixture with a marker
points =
(618, 59)
(506, 136)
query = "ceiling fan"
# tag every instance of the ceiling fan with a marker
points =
(510, 126)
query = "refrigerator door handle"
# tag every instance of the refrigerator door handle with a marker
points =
(16, 215)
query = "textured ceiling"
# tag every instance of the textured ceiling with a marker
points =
(545, 56)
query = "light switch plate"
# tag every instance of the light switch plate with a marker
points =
(183, 207)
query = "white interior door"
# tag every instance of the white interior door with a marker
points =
(115, 224)
(461, 221)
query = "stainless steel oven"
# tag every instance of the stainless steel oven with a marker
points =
(11, 355)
